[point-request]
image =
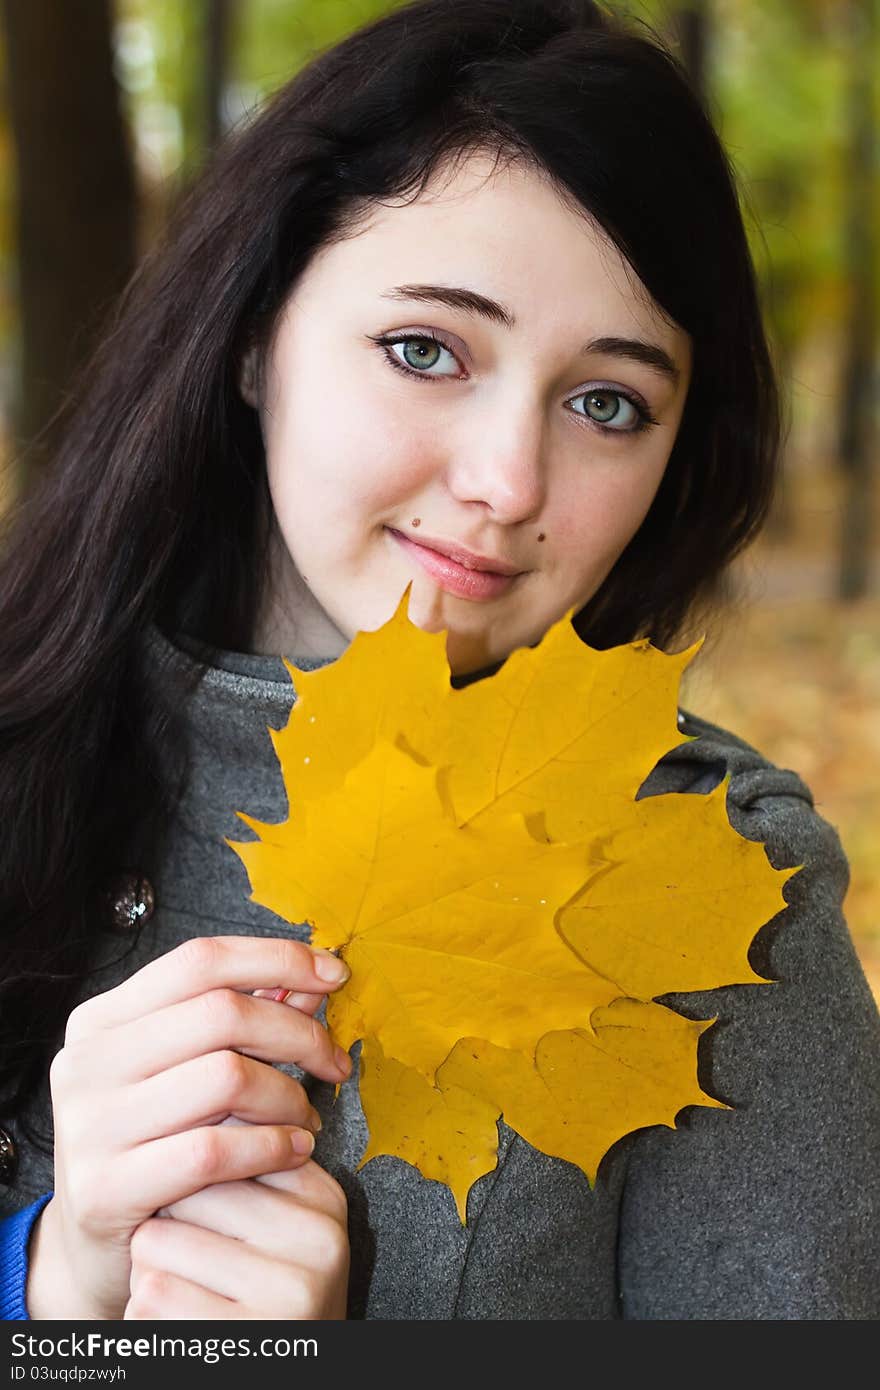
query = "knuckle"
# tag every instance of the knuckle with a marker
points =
(336, 1247)
(204, 1155)
(339, 1201)
(223, 1010)
(60, 1070)
(154, 1288)
(290, 957)
(80, 1146)
(331, 1197)
(277, 1147)
(304, 1292)
(229, 1074)
(90, 1200)
(318, 1037)
(199, 954)
(300, 1100)
(82, 1021)
(141, 1242)
(73, 1066)
(302, 955)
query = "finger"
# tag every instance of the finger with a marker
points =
(217, 1263)
(306, 1003)
(313, 1186)
(160, 1296)
(165, 1170)
(207, 1090)
(269, 1220)
(216, 1020)
(209, 962)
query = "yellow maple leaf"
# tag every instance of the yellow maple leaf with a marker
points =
(436, 921)
(508, 910)
(680, 901)
(512, 742)
(448, 1132)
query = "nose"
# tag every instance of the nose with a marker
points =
(499, 460)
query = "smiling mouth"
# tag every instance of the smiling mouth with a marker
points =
(461, 580)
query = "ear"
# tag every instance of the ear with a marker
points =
(247, 378)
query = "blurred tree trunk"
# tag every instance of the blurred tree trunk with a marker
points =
(216, 68)
(779, 286)
(690, 24)
(858, 434)
(76, 198)
(208, 37)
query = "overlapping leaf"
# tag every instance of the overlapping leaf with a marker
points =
(508, 909)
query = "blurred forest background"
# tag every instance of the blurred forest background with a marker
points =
(110, 107)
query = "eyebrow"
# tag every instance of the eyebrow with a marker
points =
(470, 302)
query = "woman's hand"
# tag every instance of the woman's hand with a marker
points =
(147, 1073)
(271, 1247)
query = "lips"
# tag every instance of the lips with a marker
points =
(457, 570)
(466, 558)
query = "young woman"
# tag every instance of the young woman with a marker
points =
(472, 295)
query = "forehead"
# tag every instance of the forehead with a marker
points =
(506, 230)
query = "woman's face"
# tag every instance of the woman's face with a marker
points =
(498, 455)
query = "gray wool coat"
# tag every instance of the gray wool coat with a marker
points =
(768, 1210)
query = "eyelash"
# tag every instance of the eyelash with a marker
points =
(385, 341)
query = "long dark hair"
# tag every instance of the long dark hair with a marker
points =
(154, 510)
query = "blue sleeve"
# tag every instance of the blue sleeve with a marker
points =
(15, 1232)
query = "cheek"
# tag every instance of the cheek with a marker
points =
(343, 451)
(603, 513)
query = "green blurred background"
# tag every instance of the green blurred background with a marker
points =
(109, 108)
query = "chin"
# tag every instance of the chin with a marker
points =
(470, 653)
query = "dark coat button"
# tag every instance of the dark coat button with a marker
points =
(8, 1157)
(130, 900)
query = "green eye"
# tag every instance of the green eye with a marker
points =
(603, 405)
(420, 352)
(611, 411)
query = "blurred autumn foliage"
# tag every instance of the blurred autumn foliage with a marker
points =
(794, 667)
(795, 671)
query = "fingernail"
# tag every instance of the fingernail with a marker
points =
(330, 968)
(301, 1141)
(279, 994)
(315, 1121)
(342, 1060)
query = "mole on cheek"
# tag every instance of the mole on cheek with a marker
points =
(416, 521)
(541, 536)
